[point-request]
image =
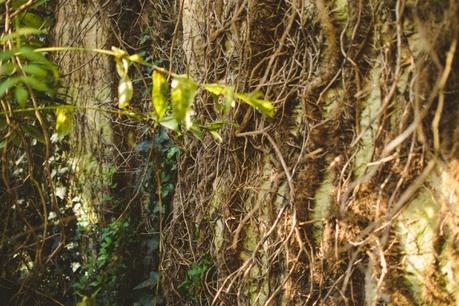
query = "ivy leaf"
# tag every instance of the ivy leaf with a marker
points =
(21, 95)
(64, 121)
(159, 93)
(263, 106)
(125, 91)
(182, 96)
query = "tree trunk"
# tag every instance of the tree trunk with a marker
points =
(88, 82)
(349, 194)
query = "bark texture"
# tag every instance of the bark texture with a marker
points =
(88, 82)
(349, 195)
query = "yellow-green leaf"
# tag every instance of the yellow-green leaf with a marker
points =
(118, 53)
(182, 96)
(125, 91)
(263, 106)
(21, 95)
(228, 102)
(216, 136)
(159, 93)
(64, 121)
(136, 58)
(170, 123)
(215, 89)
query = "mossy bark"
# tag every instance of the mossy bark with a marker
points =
(86, 83)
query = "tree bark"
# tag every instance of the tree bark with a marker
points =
(349, 194)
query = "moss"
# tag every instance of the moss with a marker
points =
(322, 204)
(416, 229)
(368, 122)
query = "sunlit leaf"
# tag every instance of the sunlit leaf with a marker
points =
(159, 93)
(21, 95)
(216, 136)
(125, 91)
(215, 89)
(64, 121)
(228, 102)
(182, 96)
(118, 52)
(119, 68)
(136, 58)
(170, 123)
(263, 106)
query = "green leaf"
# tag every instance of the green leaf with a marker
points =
(169, 123)
(34, 132)
(122, 67)
(159, 93)
(31, 20)
(33, 56)
(37, 57)
(7, 55)
(21, 95)
(36, 84)
(6, 69)
(196, 131)
(263, 106)
(216, 136)
(125, 92)
(215, 89)
(228, 102)
(214, 125)
(20, 32)
(64, 121)
(7, 84)
(182, 96)
(35, 70)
